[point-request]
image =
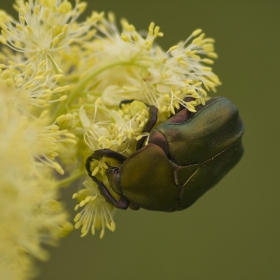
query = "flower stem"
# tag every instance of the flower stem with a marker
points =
(82, 84)
(66, 182)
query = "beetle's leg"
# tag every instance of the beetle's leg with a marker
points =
(121, 203)
(99, 154)
(126, 101)
(153, 111)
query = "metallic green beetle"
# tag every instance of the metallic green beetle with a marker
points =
(185, 157)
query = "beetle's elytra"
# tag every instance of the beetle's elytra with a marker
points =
(185, 157)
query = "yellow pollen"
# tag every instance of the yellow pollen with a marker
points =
(77, 225)
(173, 48)
(95, 171)
(29, 29)
(196, 32)
(135, 37)
(179, 58)
(36, 10)
(58, 168)
(212, 55)
(182, 62)
(208, 61)
(125, 38)
(19, 27)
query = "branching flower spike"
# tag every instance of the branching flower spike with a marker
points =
(68, 88)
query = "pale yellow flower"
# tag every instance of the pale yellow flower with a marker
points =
(32, 87)
(136, 69)
(66, 80)
(96, 213)
(127, 66)
(44, 29)
(29, 212)
(111, 129)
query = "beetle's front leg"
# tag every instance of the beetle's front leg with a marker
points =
(153, 111)
(99, 154)
(121, 203)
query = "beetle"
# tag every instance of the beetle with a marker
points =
(185, 156)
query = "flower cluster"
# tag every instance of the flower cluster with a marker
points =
(128, 66)
(29, 211)
(62, 87)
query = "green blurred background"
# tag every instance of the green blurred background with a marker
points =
(233, 231)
